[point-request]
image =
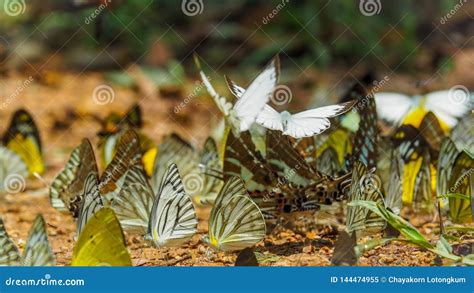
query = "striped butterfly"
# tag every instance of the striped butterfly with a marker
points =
(235, 222)
(22, 137)
(393, 107)
(134, 203)
(364, 186)
(174, 149)
(11, 167)
(173, 218)
(211, 163)
(101, 242)
(250, 102)
(416, 166)
(340, 140)
(455, 177)
(37, 251)
(91, 203)
(463, 134)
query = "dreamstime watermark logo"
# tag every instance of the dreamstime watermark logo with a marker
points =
(193, 183)
(464, 175)
(370, 182)
(453, 11)
(20, 88)
(14, 183)
(267, 18)
(191, 96)
(14, 7)
(103, 94)
(370, 7)
(192, 7)
(377, 85)
(281, 95)
(97, 11)
(459, 94)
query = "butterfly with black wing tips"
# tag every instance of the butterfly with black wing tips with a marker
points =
(303, 124)
(235, 222)
(37, 252)
(167, 218)
(22, 137)
(250, 102)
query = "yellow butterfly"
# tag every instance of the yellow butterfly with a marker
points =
(22, 137)
(101, 242)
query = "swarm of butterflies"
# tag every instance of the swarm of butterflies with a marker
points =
(267, 168)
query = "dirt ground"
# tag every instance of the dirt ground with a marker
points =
(61, 108)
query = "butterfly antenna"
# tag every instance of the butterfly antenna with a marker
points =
(40, 178)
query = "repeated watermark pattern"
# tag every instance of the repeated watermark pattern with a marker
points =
(18, 90)
(14, 7)
(281, 95)
(192, 7)
(459, 94)
(267, 18)
(199, 86)
(103, 95)
(444, 19)
(96, 12)
(14, 183)
(466, 174)
(193, 183)
(377, 85)
(370, 7)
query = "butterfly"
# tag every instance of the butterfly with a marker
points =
(37, 251)
(235, 222)
(340, 140)
(113, 128)
(463, 133)
(366, 138)
(454, 174)
(11, 167)
(416, 168)
(246, 258)
(344, 250)
(173, 218)
(22, 137)
(250, 102)
(364, 186)
(174, 149)
(101, 242)
(210, 162)
(444, 104)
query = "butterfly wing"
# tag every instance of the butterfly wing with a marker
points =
(270, 118)
(174, 149)
(92, 201)
(392, 106)
(314, 121)
(432, 132)
(173, 219)
(9, 254)
(364, 186)
(235, 222)
(210, 162)
(449, 105)
(460, 210)
(101, 243)
(328, 162)
(11, 166)
(66, 188)
(257, 95)
(246, 258)
(463, 134)
(38, 251)
(127, 154)
(22, 137)
(134, 202)
(344, 250)
(393, 199)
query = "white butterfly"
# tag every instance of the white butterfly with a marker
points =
(173, 218)
(448, 105)
(235, 222)
(244, 112)
(303, 124)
